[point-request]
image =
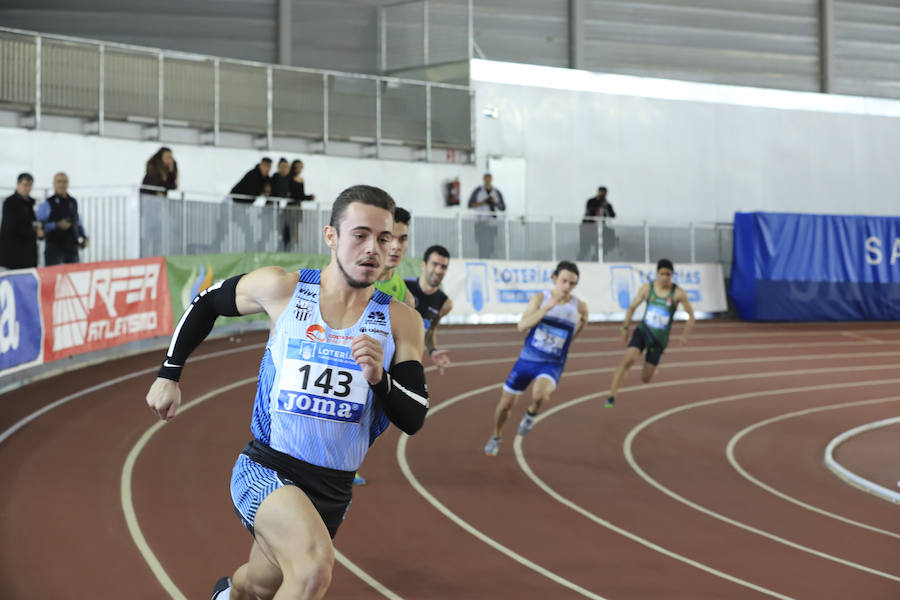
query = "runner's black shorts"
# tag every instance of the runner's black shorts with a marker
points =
(260, 470)
(644, 340)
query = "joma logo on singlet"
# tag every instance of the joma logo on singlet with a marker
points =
(317, 406)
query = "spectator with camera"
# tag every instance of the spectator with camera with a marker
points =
(63, 231)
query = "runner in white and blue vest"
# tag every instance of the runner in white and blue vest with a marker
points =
(341, 364)
(553, 318)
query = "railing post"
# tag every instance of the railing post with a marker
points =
(506, 236)
(325, 113)
(184, 226)
(101, 106)
(37, 81)
(269, 108)
(217, 102)
(161, 90)
(599, 225)
(459, 234)
(382, 40)
(425, 32)
(553, 252)
(693, 245)
(321, 226)
(378, 87)
(646, 242)
(230, 224)
(427, 122)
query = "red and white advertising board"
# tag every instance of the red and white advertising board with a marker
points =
(92, 306)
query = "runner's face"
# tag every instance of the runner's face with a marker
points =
(565, 282)
(664, 277)
(360, 249)
(399, 244)
(435, 269)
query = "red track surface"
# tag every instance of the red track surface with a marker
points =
(63, 532)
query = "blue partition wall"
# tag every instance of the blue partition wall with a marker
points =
(796, 267)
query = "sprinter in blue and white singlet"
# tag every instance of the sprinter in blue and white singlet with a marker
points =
(341, 364)
(553, 318)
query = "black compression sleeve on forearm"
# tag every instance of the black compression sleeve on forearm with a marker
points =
(403, 394)
(196, 323)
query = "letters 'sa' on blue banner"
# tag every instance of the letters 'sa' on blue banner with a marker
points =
(20, 319)
(793, 267)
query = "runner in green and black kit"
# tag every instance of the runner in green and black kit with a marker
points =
(652, 334)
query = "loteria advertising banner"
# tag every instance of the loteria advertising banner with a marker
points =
(91, 306)
(493, 290)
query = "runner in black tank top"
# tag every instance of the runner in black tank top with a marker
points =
(652, 334)
(431, 302)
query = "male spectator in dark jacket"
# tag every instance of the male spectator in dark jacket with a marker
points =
(488, 201)
(253, 184)
(20, 229)
(63, 230)
(597, 209)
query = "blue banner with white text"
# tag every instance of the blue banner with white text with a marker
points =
(21, 332)
(797, 267)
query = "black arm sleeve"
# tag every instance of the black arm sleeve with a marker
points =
(196, 323)
(404, 395)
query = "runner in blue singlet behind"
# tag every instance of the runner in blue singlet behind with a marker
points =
(553, 319)
(342, 363)
(663, 298)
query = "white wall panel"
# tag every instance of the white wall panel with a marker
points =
(689, 159)
(94, 163)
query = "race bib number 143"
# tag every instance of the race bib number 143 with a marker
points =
(322, 381)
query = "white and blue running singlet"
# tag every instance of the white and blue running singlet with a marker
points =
(312, 401)
(549, 340)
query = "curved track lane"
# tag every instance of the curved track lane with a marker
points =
(660, 500)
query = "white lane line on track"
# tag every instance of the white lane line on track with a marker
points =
(720, 348)
(414, 482)
(160, 574)
(21, 423)
(138, 537)
(849, 476)
(431, 499)
(523, 463)
(733, 442)
(127, 501)
(629, 456)
(859, 336)
(526, 468)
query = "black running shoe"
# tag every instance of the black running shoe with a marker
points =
(221, 585)
(610, 402)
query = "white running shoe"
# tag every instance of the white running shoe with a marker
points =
(526, 424)
(492, 447)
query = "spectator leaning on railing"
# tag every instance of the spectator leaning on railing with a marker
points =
(162, 173)
(63, 230)
(253, 183)
(281, 181)
(20, 230)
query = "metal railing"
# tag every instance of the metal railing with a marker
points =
(178, 225)
(102, 81)
(123, 223)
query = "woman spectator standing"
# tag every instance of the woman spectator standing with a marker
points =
(162, 173)
(298, 194)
